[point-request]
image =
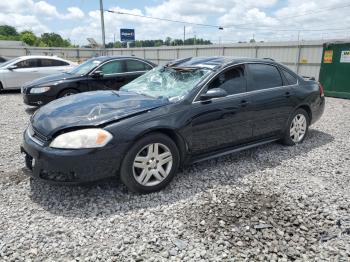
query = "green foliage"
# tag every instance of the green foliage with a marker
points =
(9, 31)
(28, 37)
(54, 40)
(154, 43)
(46, 40)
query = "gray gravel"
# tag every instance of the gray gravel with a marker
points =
(270, 203)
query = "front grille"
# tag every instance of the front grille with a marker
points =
(37, 136)
(57, 176)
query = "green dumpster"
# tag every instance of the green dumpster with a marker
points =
(335, 69)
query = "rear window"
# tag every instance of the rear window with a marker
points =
(52, 62)
(292, 80)
(134, 65)
(263, 76)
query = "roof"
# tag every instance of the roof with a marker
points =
(105, 58)
(214, 61)
(40, 56)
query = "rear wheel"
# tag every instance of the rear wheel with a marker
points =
(67, 92)
(150, 164)
(1, 87)
(297, 129)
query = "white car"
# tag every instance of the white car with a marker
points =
(14, 73)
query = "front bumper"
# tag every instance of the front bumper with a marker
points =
(37, 99)
(71, 166)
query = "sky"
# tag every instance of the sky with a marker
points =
(265, 20)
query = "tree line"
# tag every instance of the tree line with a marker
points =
(8, 32)
(159, 42)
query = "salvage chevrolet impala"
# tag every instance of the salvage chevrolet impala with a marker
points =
(184, 112)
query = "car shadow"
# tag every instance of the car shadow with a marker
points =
(9, 92)
(31, 110)
(110, 197)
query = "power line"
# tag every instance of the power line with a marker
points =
(165, 19)
(271, 28)
(321, 10)
(290, 30)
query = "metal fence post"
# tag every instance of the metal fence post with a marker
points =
(78, 55)
(158, 56)
(298, 58)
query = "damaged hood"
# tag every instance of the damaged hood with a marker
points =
(91, 109)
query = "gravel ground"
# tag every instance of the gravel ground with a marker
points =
(271, 203)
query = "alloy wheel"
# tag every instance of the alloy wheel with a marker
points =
(152, 164)
(298, 128)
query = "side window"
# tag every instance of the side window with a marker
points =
(112, 67)
(263, 76)
(28, 63)
(292, 80)
(52, 62)
(232, 81)
(134, 65)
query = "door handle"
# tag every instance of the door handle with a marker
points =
(244, 103)
(287, 94)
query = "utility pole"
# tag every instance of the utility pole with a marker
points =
(102, 26)
(184, 34)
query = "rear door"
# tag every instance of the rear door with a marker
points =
(27, 70)
(135, 68)
(270, 97)
(222, 122)
(50, 66)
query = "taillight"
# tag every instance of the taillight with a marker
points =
(321, 90)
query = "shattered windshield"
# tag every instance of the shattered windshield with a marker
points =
(172, 83)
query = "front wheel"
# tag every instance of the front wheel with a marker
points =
(297, 128)
(150, 164)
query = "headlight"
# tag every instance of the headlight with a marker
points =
(38, 90)
(85, 138)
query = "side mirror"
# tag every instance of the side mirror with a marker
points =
(213, 93)
(11, 67)
(97, 74)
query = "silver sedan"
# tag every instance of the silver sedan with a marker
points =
(14, 73)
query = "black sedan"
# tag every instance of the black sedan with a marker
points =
(101, 73)
(187, 111)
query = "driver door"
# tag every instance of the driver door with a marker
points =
(222, 122)
(26, 70)
(113, 76)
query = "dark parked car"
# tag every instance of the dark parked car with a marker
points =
(100, 73)
(187, 111)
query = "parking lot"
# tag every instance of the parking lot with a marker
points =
(269, 203)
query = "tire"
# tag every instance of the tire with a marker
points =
(140, 167)
(297, 128)
(1, 88)
(67, 92)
